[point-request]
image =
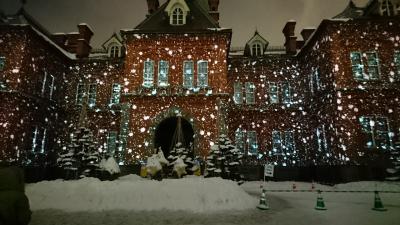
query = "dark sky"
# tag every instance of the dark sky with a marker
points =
(243, 16)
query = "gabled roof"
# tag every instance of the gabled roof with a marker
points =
(23, 18)
(198, 19)
(256, 37)
(115, 37)
(350, 12)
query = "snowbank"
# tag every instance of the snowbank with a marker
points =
(193, 194)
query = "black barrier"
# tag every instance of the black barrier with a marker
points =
(321, 174)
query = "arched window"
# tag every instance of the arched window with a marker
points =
(387, 8)
(114, 51)
(256, 49)
(177, 17)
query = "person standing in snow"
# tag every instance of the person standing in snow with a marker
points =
(14, 204)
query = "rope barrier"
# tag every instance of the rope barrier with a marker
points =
(391, 192)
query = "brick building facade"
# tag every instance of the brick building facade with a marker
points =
(331, 98)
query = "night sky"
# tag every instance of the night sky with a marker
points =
(243, 16)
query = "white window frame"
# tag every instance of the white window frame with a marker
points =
(35, 136)
(252, 136)
(44, 83)
(239, 139)
(373, 132)
(80, 93)
(148, 73)
(289, 133)
(277, 148)
(51, 87)
(238, 93)
(43, 147)
(375, 66)
(356, 66)
(115, 93)
(202, 73)
(188, 79)
(177, 17)
(163, 68)
(2, 62)
(250, 90)
(273, 93)
(257, 49)
(387, 8)
(397, 64)
(112, 147)
(92, 95)
(115, 51)
(286, 99)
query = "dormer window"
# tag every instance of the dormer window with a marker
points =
(114, 51)
(256, 49)
(177, 17)
(387, 8)
(177, 11)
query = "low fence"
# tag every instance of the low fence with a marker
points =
(322, 174)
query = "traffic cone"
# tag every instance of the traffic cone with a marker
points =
(263, 202)
(378, 206)
(312, 186)
(320, 202)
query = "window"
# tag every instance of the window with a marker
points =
(39, 140)
(44, 83)
(188, 73)
(148, 75)
(289, 145)
(202, 73)
(114, 51)
(163, 73)
(397, 64)
(252, 146)
(317, 79)
(115, 93)
(111, 142)
(250, 93)
(356, 64)
(322, 140)
(386, 8)
(286, 93)
(239, 138)
(376, 129)
(238, 93)
(51, 87)
(2, 62)
(256, 49)
(92, 95)
(273, 93)
(80, 92)
(276, 142)
(372, 63)
(177, 17)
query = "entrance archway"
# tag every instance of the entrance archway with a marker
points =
(164, 134)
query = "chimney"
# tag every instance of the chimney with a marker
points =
(152, 6)
(306, 33)
(290, 38)
(60, 39)
(83, 43)
(213, 5)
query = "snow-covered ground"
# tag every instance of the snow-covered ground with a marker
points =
(193, 200)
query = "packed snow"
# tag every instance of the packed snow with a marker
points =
(125, 206)
(131, 192)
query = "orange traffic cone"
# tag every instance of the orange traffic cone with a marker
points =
(263, 202)
(378, 205)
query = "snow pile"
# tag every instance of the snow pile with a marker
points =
(132, 193)
(110, 165)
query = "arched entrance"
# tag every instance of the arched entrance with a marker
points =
(165, 131)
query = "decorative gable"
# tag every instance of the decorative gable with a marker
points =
(177, 11)
(257, 45)
(113, 46)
